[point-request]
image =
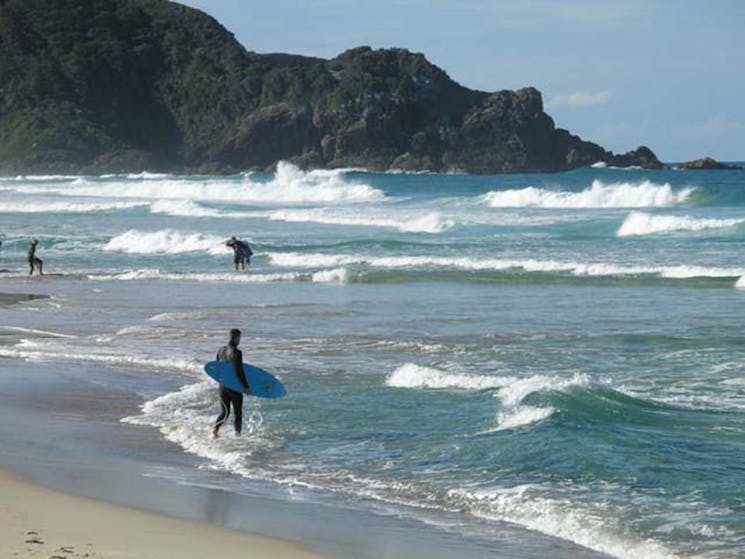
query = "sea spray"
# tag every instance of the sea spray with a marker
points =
(599, 195)
(166, 241)
(411, 375)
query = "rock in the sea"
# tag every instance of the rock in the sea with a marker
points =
(640, 157)
(708, 163)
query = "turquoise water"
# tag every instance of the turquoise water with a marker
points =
(563, 353)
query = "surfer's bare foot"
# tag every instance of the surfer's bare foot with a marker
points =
(215, 433)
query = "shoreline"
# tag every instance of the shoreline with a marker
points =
(37, 522)
(69, 438)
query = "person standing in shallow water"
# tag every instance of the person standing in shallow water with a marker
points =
(228, 397)
(241, 253)
(33, 260)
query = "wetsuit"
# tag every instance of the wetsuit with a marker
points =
(32, 259)
(241, 251)
(228, 396)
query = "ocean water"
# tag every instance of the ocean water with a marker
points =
(563, 353)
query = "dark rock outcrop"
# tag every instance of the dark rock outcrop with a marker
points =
(126, 85)
(707, 163)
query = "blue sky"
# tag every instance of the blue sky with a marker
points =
(669, 74)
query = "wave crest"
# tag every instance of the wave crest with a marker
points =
(288, 185)
(640, 223)
(529, 506)
(30, 206)
(227, 277)
(411, 375)
(516, 414)
(681, 271)
(166, 241)
(599, 195)
(432, 222)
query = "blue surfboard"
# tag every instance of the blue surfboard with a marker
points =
(261, 383)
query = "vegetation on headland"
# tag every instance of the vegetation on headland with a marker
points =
(125, 85)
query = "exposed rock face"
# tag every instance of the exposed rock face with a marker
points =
(707, 163)
(123, 85)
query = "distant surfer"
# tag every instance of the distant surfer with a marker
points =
(231, 353)
(33, 260)
(241, 253)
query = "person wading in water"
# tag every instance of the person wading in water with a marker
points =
(33, 260)
(228, 397)
(241, 253)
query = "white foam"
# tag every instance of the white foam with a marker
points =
(511, 391)
(312, 260)
(599, 165)
(36, 331)
(521, 416)
(169, 316)
(166, 241)
(289, 185)
(513, 394)
(185, 417)
(185, 208)
(411, 375)
(33, 351)
(431, 222)
(683, 272)
(526, 505)
(640, 223)
(41, 177)
(34, 206)
(740, 283)
(227, 277)
(599, 195)
(516, 414)
(337, 275)
(146, 175)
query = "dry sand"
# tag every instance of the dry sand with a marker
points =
(39, 523)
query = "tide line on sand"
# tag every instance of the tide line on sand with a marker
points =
(36, 522)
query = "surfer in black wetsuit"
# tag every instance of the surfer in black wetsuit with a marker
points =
(230, 353)
(241, 253)
(33, 260)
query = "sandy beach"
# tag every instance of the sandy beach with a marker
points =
(38, 522)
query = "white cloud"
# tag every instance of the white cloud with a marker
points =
(579, 99)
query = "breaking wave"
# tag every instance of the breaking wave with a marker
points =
(640, 223)
(511, 391)
(515, 413)
(411, 375)
(311, 260)
(337, 275)
(229, 277)
(288, 185)
(599, 195)
(65, 207)
(529, 506)
(432, 222)
(183, 208)
(166, 242)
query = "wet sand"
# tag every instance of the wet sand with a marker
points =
(37, 522)
(7, 299)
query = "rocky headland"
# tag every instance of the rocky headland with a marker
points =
(92, 86)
